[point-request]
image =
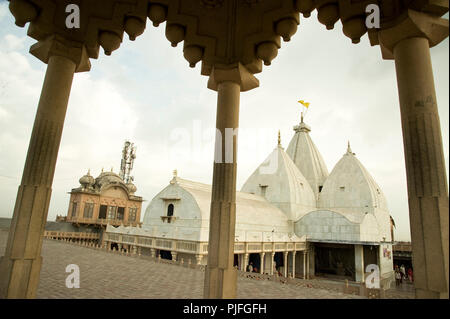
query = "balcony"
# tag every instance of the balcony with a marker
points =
(101, 221)
(169, 219)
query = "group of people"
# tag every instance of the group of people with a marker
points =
(402, 274)
(251, 268)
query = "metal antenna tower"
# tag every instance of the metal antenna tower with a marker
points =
(126, 164)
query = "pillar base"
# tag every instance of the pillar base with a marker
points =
(13, 285)
(220, 283)
(428, 294)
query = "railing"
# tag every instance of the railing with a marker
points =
(351, 288)
(194, 247)
(76, 235)
(100, 221)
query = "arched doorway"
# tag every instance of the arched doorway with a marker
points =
(278, 261)
(165, 254)
(170, 210)
(255, 259)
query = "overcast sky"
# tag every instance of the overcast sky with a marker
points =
(146, 92)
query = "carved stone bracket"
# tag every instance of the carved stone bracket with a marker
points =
(235, 73)
(415, 24)
(56, 45)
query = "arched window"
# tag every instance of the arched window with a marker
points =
(170, 210)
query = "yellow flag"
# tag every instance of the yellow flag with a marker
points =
(305, 104)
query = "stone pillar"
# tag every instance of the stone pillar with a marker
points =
(293, 263)
(174, 255)
(261, 266)
(304, 264)
(220, 275)
(285, 261)
(199, 258)
(310, 262)
(409, 42)
(241, 262)
(245, 263)
(20, 266)
(272, 265)
(359, 263)
(152, 252)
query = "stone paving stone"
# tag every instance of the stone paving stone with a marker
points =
(109, 275)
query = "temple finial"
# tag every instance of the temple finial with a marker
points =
(175, 173)
(279, 138)
(349, 149)
(301, 121)
(89, 172)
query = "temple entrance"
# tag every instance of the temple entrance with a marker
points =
(236, 260)
(370, 256)
(278, 261)
(165, 254)
(255, 259)
(335, 261)
(114, 246)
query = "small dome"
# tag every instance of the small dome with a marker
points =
(87, 180)
(131, 187)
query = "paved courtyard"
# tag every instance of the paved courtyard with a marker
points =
(107, 275)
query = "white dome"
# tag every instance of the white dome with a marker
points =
(279, 181)
(351, 187)
(192, 204)
(307, 157)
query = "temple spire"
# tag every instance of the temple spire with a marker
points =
(279, 138)
(349, 149)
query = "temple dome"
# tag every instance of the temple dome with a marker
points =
(131, 187)
(109, 178)
(307, 157)
(87, 180)
(350, 187)
(256, 218)
(279, 181)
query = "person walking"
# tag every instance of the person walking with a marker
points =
(250, 267)
(410, 274)
(403, 272)
(398, 277)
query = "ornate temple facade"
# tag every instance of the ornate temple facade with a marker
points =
(292, 217)
(104, 200)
